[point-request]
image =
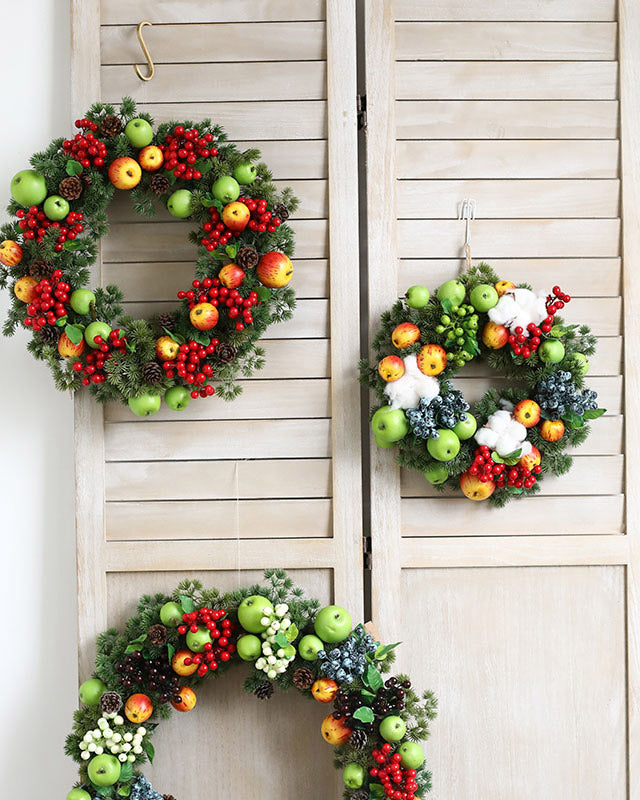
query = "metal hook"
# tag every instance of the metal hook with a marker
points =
(467, 212)
(147, 55)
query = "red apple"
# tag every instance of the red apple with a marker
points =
(10, 253)
(391, 368)
(236, 216)
(494, 336)
(185, 699)
(527, 413)
(531, 460)
(138, 708)
(274, 270)
(475, 489)
(335, 731)
(125, 173)
(204, 316)
(68, 349)
(552, 429)
(231, 276)
(324, 690)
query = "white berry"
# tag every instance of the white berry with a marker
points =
(99, 750)
(128, 736)
(131, 758)
(126, 747)
(85, 756)
(117, 737)
(91, 747)
(142, 731)
(118, 720)
(137, 749)
(122, 757)
(272, 673)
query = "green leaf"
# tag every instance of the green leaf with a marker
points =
(74, 244)
(281, 639)
(381, 652)
(594, 413)
(368, 696)
(447, 305)
(148, 749)
(231, 250)
(376, 791)
(573, 420)
(124, 791)
(61, 321)
(364, 714)
(175, 336)
(171, 651)
(187, 603)
(496, 457)
(208, 199)
(103, 791)
(201, 337)
(292, 632)
(126, 773)
(73, 167)
(134, 644)
(373, 679)
(74, 333)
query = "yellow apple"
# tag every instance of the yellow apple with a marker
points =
(204, 316)
(335, 731)
(432, 359)
(552, 429)
(167, 349)
(10, 253)
(125, 173)
(236, 216)
(24, 288)
(151, 158)
(475, 489)
(504, 286)
(391, 368)
(404, 335)
(180, 667)
(231, 275)
(494, 336)
(68, 349)
(324, 690)
(185, 699)
(531, 460)
(138, 708)
(274, 270)
(527, 413)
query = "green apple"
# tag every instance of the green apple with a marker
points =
(81, 300)
(94, 329)
(145, 405)
(551, 351)
(171, 614)
(28, 187)
(196, 641)
(104, 770)
(245, 174)
(392, 729)
(249, 647)
(465, 428)
(383, 443)
(483, 297)
(353, 776)
(411, 755)
(417, 296)
(177, 397)
(309, 647)
(389, 424)
(91, 691)
(226, 189)
(251, 610)
(78, 794)
(580, 362)
(139, 132)
(180, 203)
(56, 207)
(332, 624)
(445, 447)
(436, 474)
(453, 291)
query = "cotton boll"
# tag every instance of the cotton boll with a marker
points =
(506, 445)
(519, 307)
(525, 448)
(504, 310)
(487, 437)
(408, 390)
(516, 430)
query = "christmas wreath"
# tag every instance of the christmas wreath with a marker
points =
(289, 642)
(516, 435)
(242, 268)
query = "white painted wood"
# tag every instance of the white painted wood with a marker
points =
(518, 10)
(122, 12)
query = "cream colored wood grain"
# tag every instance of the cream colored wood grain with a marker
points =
(163, 12)
(295, 358)
(517, 10)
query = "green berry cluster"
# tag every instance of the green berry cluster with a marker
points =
(459, 326)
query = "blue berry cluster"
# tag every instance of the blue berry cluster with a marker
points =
(347, 661)
(558, 395)
(444, 411)
(141, 789)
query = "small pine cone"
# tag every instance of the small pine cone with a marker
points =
(40, 269)
(168, 797)
(247, 257)
(226, 353)
(110, 702)
(152, 373)
(358, 739)
(303, 678)
(280, 210)
(110, 127)
(159, 184)
(263, 690)
(157, 635)
(167, 321)
(50, 334)
(87, 179)
(361, 794)
(70, 188)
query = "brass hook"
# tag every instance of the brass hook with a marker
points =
(147, 55)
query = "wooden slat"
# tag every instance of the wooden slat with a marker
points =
(503, 159)
(122, 12)
(218, 519)
(527, 516)
(280, 438)
(550, 238)
(485, 80)
(295, 358)
(510, 199)
(299, 80)
(260, 399)
(592, 475)
(549, 10)
(506, 41)
(217, 480)
(176, 44)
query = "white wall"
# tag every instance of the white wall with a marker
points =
(38, 670)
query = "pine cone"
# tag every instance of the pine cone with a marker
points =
(110, 127)
(87, 179)
(168, 797)
(303, 678)
(226, 353)
(157, 635)
(280, 210)
(70, 188)
(167, 321)
(152, 373)
(358, 739)
(159, 184)
(247, 257)
(50, 334)
(40, 269)
(361, 794)
(263, 690)
(110, 702)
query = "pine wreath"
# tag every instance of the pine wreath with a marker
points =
(516, 435)
(59, 208)
(289, 643)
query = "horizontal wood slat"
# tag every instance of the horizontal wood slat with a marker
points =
(123, 12)
(193, 43)
(513, 80)
(518, 10)
(506, 41)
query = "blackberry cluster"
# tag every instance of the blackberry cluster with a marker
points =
(141, 789)
(154, 674)
(346, 703)
(390, 698)
(444, 411)
(558, 395)
(348, 660)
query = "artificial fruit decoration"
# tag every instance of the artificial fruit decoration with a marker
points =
(182, 663)
(391, 368)
(332, 624)
(445, 447)
(274, 270)
(483, 297)
(436, 474)
(245, 173)
(251, 612)
(177, 398)
(104, 770)
(204, 316)
(417, 296)
(226, 189)
(392, 728)
(78, 794)
(249, 647)
(231, 276)
(145, 405)
(389, 424)
(197, 641)
(475, 489)
(138, 708)
(185, 700)
(56, 207)
(171, 614)
(432, 359)
(96, 330)
(411, 755)
(404, 335)
(180, 204)
(502, 287)
(236, 216)
(139, 132)
(465, 428)
(167, 348)
(527, 413)
(324, 690)
(309, 647)
(91, 691)
(353, 776)
(335, 731)
(495, 336)
(552, 430)
(24, 289)
(67, 349)
(578, 361)
(125, 173)
(151, 158)
(531, 459)
(81, 300)
(453, 290)
(551, 351)
(28, 187)
(10, 253)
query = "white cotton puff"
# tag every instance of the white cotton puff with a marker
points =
(408, 390)
(503, 434)
(519, 307)
(487, 437)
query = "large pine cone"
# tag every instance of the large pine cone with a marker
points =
(157, 635)
(159, 184)
(247, 257)
(152, 373)
(70, 188)
(358, 739)
(226, 353)
(264, 690)
(167, 321)
(50, 334)
(110, 127)
(280, 210)
(303, 678)
(110, 702)
(40, 269)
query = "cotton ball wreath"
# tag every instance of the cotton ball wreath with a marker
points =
(504, 434)
(519, 307)
(408, 390)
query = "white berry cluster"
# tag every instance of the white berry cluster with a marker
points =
(105, 739)
(275, 659)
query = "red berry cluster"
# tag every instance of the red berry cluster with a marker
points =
(523, 344)
(189, 367)
(520, 477)
(211, 291)
(398, 783)
(48, 306)
(484, 466)
(85, 147)
(35, 223)
(217, 234)
(261, 220)
(223, 648)
(182, 149)
(93, 369)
